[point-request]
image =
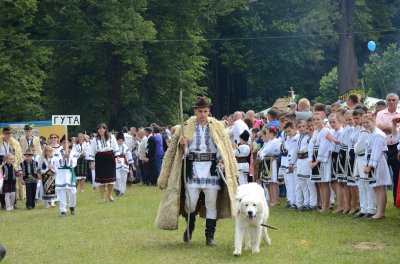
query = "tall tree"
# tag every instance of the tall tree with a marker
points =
(22, 63)
(177, 60)
(277, 55)
(99, 71)
(347, 66)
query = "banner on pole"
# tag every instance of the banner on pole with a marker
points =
(66, 120)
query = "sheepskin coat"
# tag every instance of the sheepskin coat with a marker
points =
(171, 177)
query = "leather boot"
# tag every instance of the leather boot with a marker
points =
(192, 219)
(210, 230)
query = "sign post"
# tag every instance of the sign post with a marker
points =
(66, 120)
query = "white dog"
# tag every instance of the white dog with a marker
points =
(252, 211)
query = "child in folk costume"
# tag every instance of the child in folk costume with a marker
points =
(319, 156)
(282, 171)
(312, 187)
(306, 194)
(377, 168)
(291, 145)
(29, 169)
(81, 169)
(267, 157)
(343, 162)
(9, 181)
(366, 192)
(122, 165)
(242, 154)
(48, 175)
(352, 194)
(66, 178)
(334, 137)
(255, 146)
(39, 188)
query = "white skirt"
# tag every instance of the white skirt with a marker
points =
(382, 174)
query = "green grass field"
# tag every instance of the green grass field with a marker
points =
(124, 232)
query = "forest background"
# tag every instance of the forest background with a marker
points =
(123, 62)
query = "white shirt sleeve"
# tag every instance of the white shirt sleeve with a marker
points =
(359, 147)
(324, 147)
(91, 150)
(311, 146)
(114, 146)
(377, 151)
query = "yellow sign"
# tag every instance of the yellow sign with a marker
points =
(40, 128)
(344, 96)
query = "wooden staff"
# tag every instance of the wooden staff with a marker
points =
(184, 163)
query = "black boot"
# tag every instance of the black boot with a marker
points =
(192, 220)
(72, 209)
(210, 230)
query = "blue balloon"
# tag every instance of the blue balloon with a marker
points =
(371, 46)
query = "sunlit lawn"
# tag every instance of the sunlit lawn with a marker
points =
(124, 232)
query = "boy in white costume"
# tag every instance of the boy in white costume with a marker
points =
(291, 146)
(242, 153)
(122, 165)
(66, 179)
(306, 194)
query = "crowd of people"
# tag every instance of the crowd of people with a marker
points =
(319, 157)
(36, 169)
(327, 157)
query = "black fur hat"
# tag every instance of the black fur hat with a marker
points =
(245, 135)
(120, 135)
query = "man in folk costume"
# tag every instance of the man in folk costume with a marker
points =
(207, 147)
(9, 145)
(29, 141)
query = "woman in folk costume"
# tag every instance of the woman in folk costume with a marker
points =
(208, 147)
(48, 173)
(81, 169)
(267, 156)
(9, 145)
(377, 168)
(55, 144)
(66, 178)
(123, 164)
(319, 156)
(242, 154)
(102, 153)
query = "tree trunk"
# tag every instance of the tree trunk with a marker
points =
(347, 68)
(114, 78)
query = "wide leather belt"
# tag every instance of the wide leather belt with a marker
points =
(241, 159)
(201, 156)
(302, 155)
